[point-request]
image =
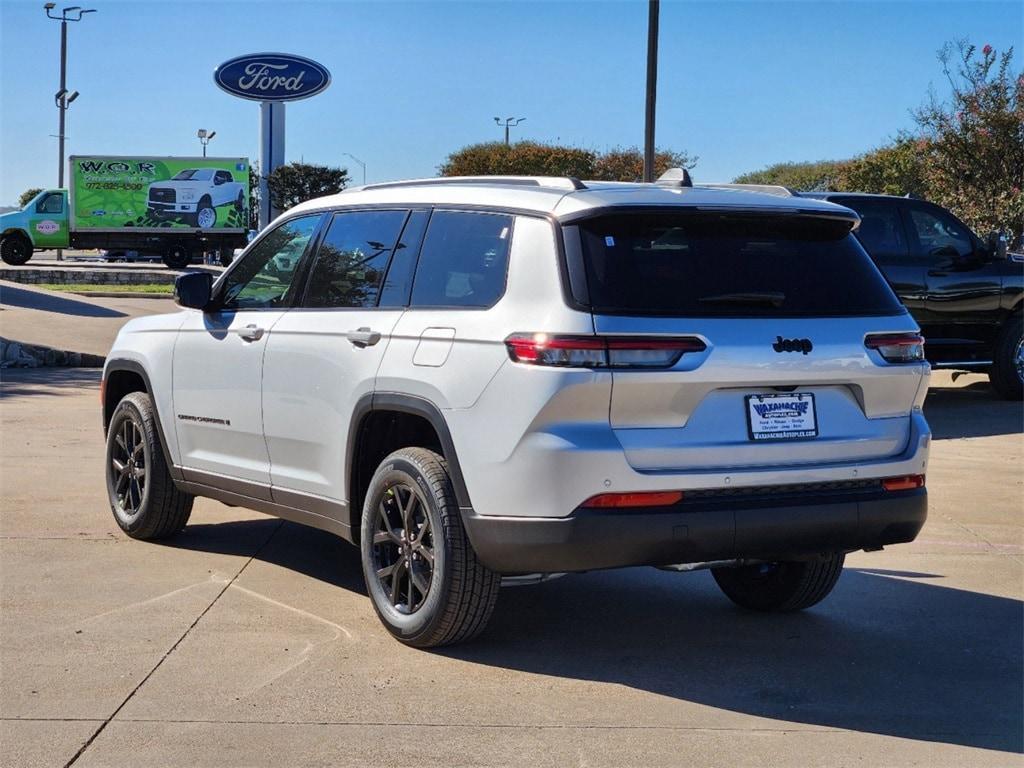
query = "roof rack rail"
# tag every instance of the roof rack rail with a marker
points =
(553, 182)
(675, 177)
(766, 189)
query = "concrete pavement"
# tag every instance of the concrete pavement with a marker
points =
(247, 641)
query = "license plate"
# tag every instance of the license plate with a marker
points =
(781, 417)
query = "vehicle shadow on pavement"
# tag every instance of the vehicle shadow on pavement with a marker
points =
(891, 652)
(884, 654)
(972, 411)
(51, 302)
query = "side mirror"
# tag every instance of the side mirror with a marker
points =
(996, 242)
(194, 290)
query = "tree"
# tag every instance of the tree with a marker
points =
(817, 176)
(294, 183)
(27, 196)
(895, 169)
(628, 164)
(975, 138)
(254, 196)
(523, 158)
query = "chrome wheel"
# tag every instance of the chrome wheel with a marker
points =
(403, 547)
(128, 468)
(206, 218)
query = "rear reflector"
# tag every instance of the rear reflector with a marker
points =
(600, 351)
(897, 347)
(904, 483)
(620, 500)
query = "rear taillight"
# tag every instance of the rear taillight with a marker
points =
(903, 483)
(625, 500)
(897, 347)
(599, 351)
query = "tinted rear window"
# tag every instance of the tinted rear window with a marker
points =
(710, 265)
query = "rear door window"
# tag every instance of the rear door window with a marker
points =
(693, 264)
(881, 229)
(463, 261)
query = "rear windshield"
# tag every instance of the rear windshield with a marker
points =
(711, 265)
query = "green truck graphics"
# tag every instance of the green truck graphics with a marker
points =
(152, 193)
(174, 206)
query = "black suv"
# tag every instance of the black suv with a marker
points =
(965, 292)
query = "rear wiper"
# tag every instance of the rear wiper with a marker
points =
(773, 298)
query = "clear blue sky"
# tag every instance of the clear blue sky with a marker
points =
(742, 84)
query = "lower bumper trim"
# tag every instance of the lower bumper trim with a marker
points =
(595, 539)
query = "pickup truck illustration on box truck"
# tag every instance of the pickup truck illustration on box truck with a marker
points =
(177, 207)
(195, 194)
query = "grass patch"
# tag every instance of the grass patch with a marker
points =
(154, 288)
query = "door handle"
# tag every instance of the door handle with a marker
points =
(363, 337)
(251, 333)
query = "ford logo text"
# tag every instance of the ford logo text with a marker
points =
(272, 77)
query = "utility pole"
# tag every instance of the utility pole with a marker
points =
(62, 98)
(652, 88)
(509, 121)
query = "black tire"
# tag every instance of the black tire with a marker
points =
(1007, 371)
(177, 257)
(204, 212)
(240, 201)
(460, 593)
(15, 249)
(225, 256)
(781, 587)
(143, 499)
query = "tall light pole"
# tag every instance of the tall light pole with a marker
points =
(204, 137)
(509, 121)
(652, 88)
(349, 154)
(63, 98)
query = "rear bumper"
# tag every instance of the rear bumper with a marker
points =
(782, 527)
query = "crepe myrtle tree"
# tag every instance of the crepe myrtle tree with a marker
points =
(27, 195)
(974, 138)
(295, 183)
(627, 164)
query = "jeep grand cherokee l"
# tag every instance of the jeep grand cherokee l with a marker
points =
(485, 377)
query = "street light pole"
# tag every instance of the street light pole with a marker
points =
(652, 88)
(509, 121)
(349, 154)
(62, 98)
(204, 137)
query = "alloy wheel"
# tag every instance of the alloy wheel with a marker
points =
(128, 468)
(403, 547)
(1018, 359)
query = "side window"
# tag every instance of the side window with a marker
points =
(52, 203)
(265, 277)
(881, 230)
(352, 259)
(221, 177)
(938, 233)
(463, 261)
(398, 281)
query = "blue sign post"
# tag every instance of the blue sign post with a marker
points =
(271, 79)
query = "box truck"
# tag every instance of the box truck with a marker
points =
(175, 206)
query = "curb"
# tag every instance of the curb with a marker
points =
(116, 294)
(15, 354)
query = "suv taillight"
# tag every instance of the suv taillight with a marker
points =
(600, 351)
(897, 347)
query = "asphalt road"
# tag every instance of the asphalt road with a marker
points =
(250, 642)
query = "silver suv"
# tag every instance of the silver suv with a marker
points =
(478, 378)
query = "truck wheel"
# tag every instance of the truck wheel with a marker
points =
(781, 587)
(226, 256)
(145, 502)
(421, 572)
(15, 249)
(177, 257)
(206, 214)
(1007, 371)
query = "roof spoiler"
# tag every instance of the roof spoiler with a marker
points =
(766, 189)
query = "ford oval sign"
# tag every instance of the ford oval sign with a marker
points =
(272, 77)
